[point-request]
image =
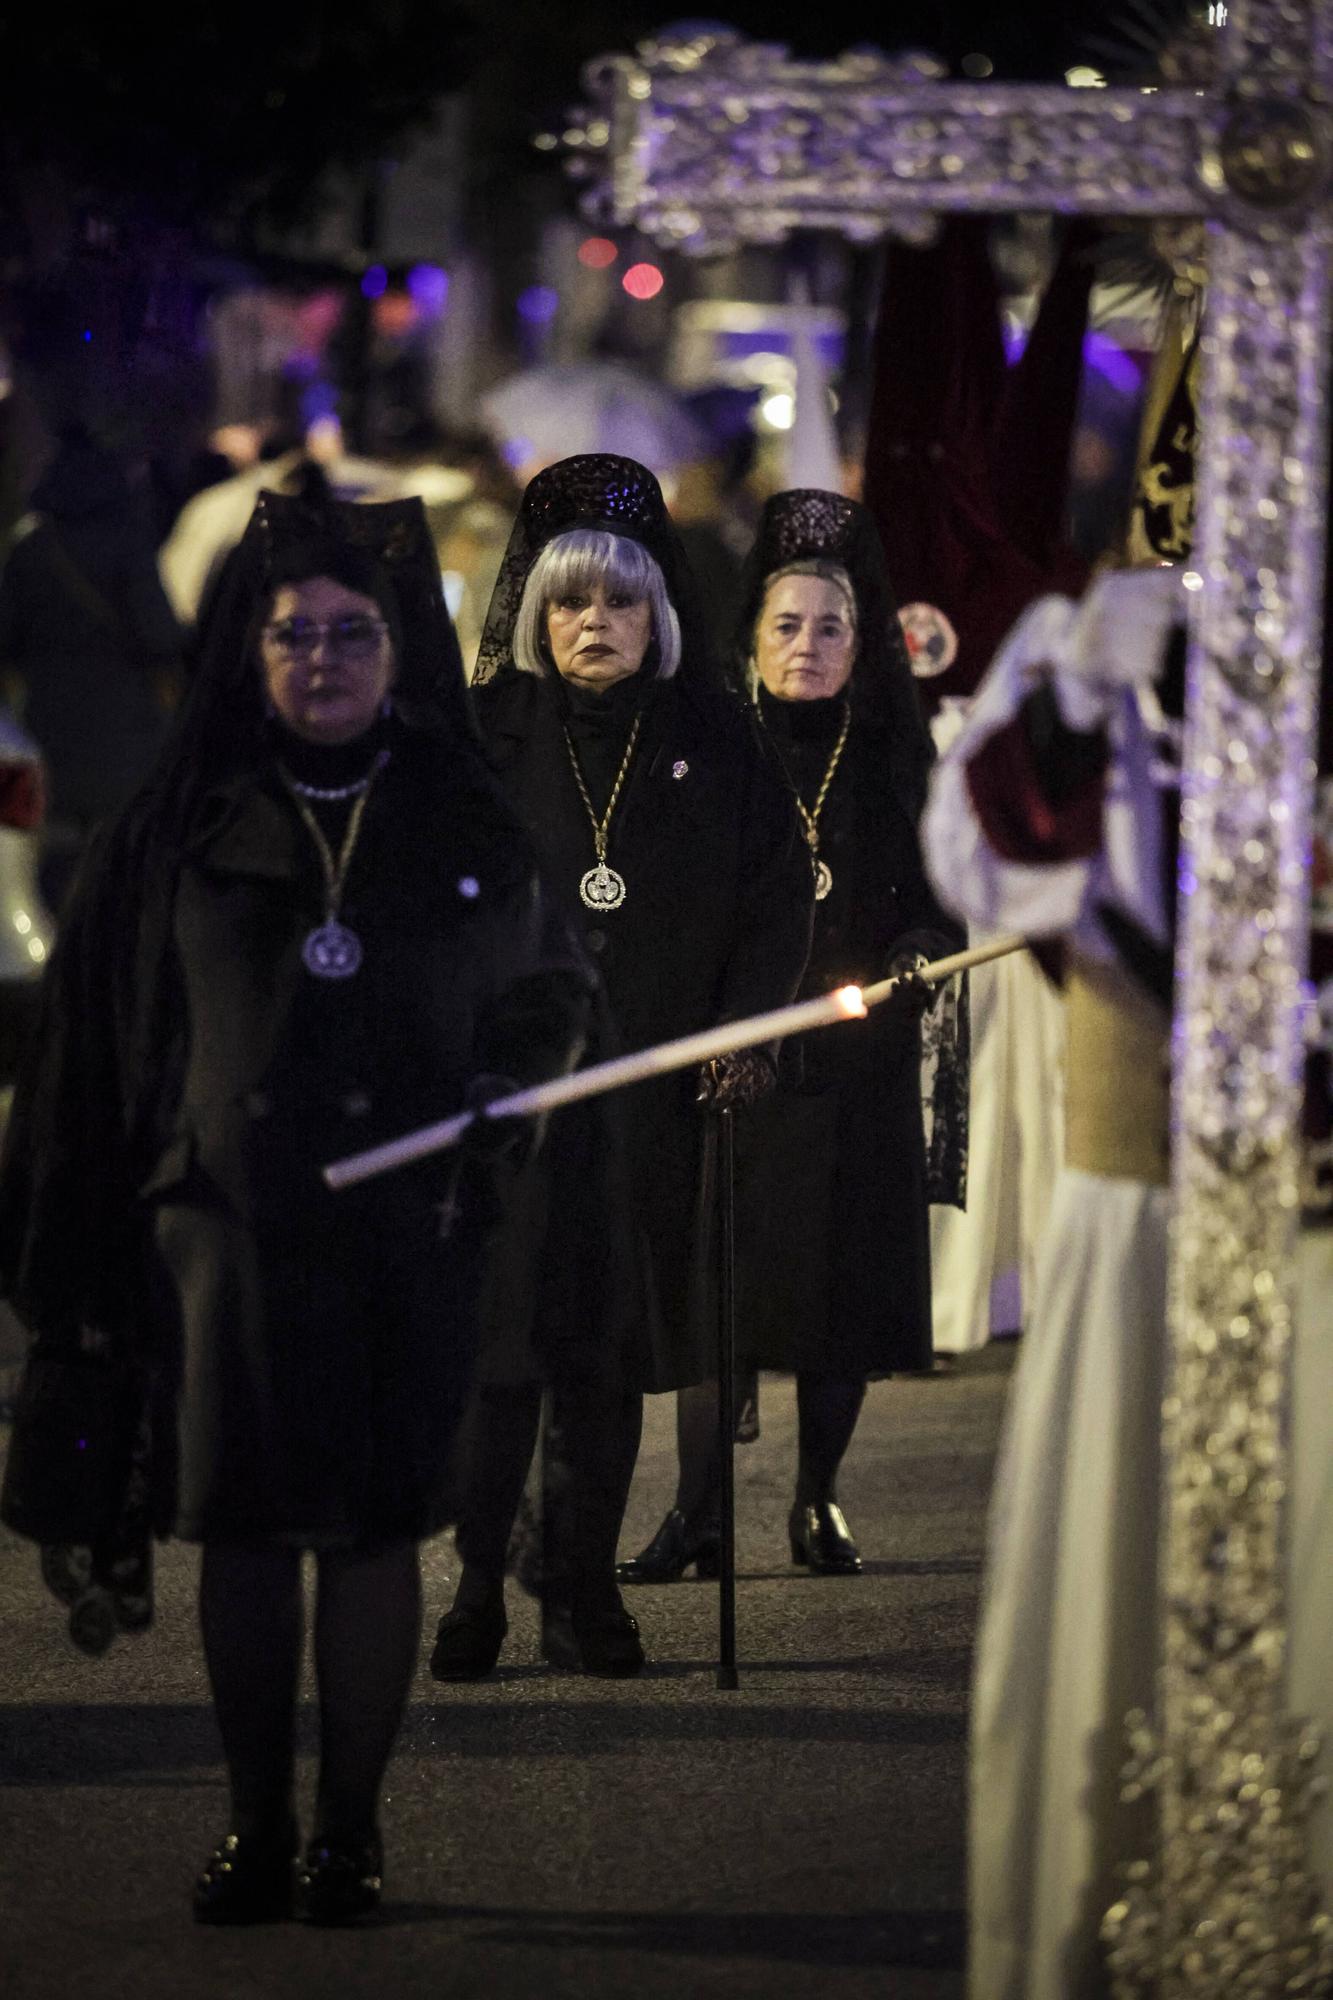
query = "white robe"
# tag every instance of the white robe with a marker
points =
(1067, 1641)
(1014, 1127)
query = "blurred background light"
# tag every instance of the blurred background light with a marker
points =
(538, 304)
(643, 281)
(374, 282)
(429, 287)
(597, 252)
(395, 314)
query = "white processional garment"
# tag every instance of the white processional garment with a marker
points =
(1067, 1642)
(983, 1258)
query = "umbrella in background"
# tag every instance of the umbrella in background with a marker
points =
(554, 412)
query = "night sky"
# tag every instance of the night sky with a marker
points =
(1032, 38)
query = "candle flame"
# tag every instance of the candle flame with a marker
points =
(850, 1000)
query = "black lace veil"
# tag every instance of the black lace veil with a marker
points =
(620, 496)
(384, 549)
(807, 524)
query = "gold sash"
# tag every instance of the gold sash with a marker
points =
(1117, 1077)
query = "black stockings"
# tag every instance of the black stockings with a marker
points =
(367, 1637)
(827, 1407)
(697, 1493)
(500, 1439)
(589, 1449)
(592, 1441)
(367, 1633)
(250, 1614)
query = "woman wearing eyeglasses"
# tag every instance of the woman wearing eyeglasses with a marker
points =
(319, 925)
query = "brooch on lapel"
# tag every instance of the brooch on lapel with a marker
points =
(679, 768)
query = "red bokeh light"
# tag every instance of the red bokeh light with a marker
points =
(395, 314)
(597, 252)
(643, 281)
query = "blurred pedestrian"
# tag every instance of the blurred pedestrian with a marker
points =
(87, 632)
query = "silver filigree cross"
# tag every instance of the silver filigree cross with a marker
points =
(710, 143)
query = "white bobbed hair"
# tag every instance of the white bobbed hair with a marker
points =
(575, 562)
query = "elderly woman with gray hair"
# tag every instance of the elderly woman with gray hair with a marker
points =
(664, 823)
(833, 1174)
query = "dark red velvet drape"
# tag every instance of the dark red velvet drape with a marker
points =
(967, 459)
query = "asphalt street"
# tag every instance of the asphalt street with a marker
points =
(549, 1834)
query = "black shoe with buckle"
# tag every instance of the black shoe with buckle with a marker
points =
(247, 1879)
(468, 1641)
(339, 1882)
(608, 1642)
(820, 1539)
(678, 1543)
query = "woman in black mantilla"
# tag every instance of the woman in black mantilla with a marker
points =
(320, 923)
(833, 1276)
(665, 823)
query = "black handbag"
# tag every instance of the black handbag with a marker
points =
(76, 1418)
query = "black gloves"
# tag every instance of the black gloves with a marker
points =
(494, 1138)
(913, 995)
(729, 1083)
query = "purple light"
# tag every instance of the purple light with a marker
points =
(539, 304)
(517, 451)
(374, 282)
(318, 401)
(87, 333)
(1100, 352)
(429, 287)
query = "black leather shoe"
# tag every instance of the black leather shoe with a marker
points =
(339, 1883)
(608, 1643)
(820, 1539)
(468, 1641)
(247, 1879)
(677, 1544)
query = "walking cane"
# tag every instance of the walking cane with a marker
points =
(727, 1676)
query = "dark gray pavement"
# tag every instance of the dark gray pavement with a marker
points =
(546, 1834)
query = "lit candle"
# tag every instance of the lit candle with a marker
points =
(848, 1003)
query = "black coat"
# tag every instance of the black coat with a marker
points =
(832, 1222)
(309, 1353)
(714, 926)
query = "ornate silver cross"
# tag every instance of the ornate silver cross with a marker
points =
(710, 143)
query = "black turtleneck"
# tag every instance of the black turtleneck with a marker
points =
(327, 765)
(599, 722)
(805, 733)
